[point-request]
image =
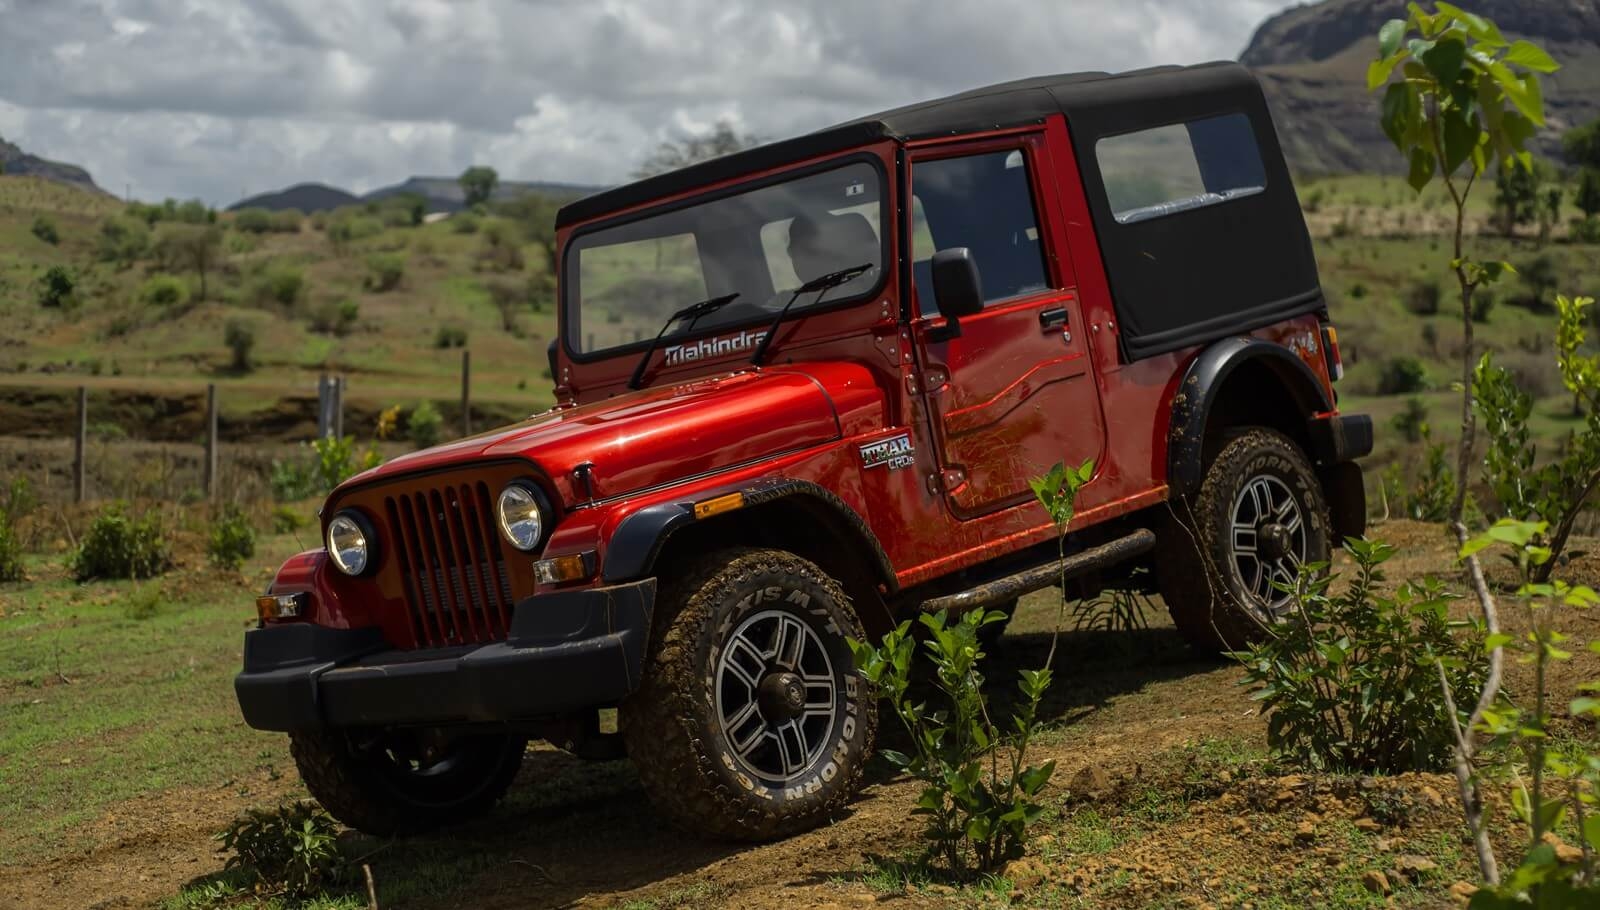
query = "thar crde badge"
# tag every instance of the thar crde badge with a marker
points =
(896, 452)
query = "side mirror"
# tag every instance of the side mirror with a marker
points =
(957, 288)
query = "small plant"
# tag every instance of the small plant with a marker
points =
(336, 460)
(1482, 305)
(1423, 297)
(121, 547)
(1339, 679)
(58, 289)
(164, 291)
(292, 850)
(278, 285)
(45, 229)
(1402, 376)
(335, 317)
(292, 480)
(142, 602)
(286, 520)
(1412, 423)
(423, 425)
(384, 272)
(240, 337)
(450, 336)
(232, 541)
(10, 551)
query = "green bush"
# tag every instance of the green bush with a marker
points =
(253, 221)
(292, 481)
(123, 240)
(1402, 376)
(384, 271)
(287, 221)
(278, 284)
(165, 291)
(450, 336)
(232, 539)
(336, 460)
(335, 317)
(464, 223)
(58, 289)
(1412, 423)
(1586, 230)
(121, 547)
(423, 425)
(346, 228)
(240, 337)
(1482, 305)
(292, 850)
(19, 501)
(1423, 297)
(45, 229)
(1347, 679)
(286, 520)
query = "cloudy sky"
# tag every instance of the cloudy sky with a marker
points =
(220, 98)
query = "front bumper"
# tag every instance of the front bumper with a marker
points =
(565, 651)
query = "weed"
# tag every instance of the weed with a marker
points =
(142, 602)
(290, 850)
(232, 539)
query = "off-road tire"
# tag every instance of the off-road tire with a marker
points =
(1202, 585)
(674, 733)
(363, 790)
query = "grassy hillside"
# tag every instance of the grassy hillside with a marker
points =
(311, 296)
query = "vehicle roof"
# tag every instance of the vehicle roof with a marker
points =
(997, 106)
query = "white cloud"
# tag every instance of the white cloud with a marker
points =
(217, 97)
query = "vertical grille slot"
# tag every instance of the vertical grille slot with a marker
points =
(452, 567)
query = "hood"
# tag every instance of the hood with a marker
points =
(653, 436)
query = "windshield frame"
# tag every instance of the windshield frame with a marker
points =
(886, 271)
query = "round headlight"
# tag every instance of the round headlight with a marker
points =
(521, 516)
(349, 544)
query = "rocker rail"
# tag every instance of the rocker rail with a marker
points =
(1046, 574)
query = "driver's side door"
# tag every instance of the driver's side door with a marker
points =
(1012, 393)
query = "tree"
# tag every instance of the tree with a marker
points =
(1516, 197)
(1588, 197)
(191, 246)
(1549, 212)
(722, 139)
(1581, 145)
(477, 184)
(241, 340)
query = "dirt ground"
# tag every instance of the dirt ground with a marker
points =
(1161, 798)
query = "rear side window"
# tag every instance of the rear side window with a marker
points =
(1180, 166)
(984, 203)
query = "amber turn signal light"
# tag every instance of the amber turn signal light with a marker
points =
(718, 505)
(558, 569)
(280, 606)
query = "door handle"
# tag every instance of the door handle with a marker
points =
(1053, 317)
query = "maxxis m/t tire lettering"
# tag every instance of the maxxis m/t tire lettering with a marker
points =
(751, 722)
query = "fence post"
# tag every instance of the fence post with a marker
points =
(211, 440)
(324, 411)
(338, 406)
(466, 393)
(80, 445)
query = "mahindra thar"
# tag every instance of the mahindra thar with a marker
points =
(801, 390)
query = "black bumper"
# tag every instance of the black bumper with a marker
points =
(1336, 442)
(566, 651)
(1341, 438)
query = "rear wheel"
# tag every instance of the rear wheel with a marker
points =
(751, 722)
(407, 781)
(1259, 516)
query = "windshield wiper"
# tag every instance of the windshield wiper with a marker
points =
(692, 312)
(823, 283)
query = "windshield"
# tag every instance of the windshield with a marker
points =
(621, 283)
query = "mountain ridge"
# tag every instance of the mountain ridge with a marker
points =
(15, 162)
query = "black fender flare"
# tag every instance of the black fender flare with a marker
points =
(1203, 382)
(640, 536)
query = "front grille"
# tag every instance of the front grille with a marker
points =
(451, 563)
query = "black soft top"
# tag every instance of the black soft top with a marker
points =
(1177, 281)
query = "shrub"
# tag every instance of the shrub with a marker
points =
(1586, 230)
(1423, 297)
(423, 425)
(165, 291)
(384, 271)
(346, 228)
(240, 338)
(287, 221)
(1358, 291)
(123, 240)
(286, 520)
(464, 223)
(335, 317)
(119, 547)
(142, 602)
(10, 546)
(1482, 305)
(253, 221)
(1339, 679)
(450, 336)
(232, 539)
(279, 284)
(292, 849)
(45, 229)
(336, 460)
(58, 289)
(292, 481)
(1402, 376)
(1412, 423)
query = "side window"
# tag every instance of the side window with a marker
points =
(984, 203)
(1181, 166)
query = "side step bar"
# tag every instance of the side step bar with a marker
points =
(1046, 574)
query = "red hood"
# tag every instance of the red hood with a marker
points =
(652, 436)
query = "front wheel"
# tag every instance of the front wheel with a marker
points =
(751, 722)
(405, 781)
(1259, 516)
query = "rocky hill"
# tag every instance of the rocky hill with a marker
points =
(15, 162)
(1312, 61)
(443, 194)
(304, 197)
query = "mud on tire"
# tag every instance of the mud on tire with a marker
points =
(1259, 494)
(732, 730)
(376, 782)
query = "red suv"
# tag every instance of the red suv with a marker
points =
(801, 391)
